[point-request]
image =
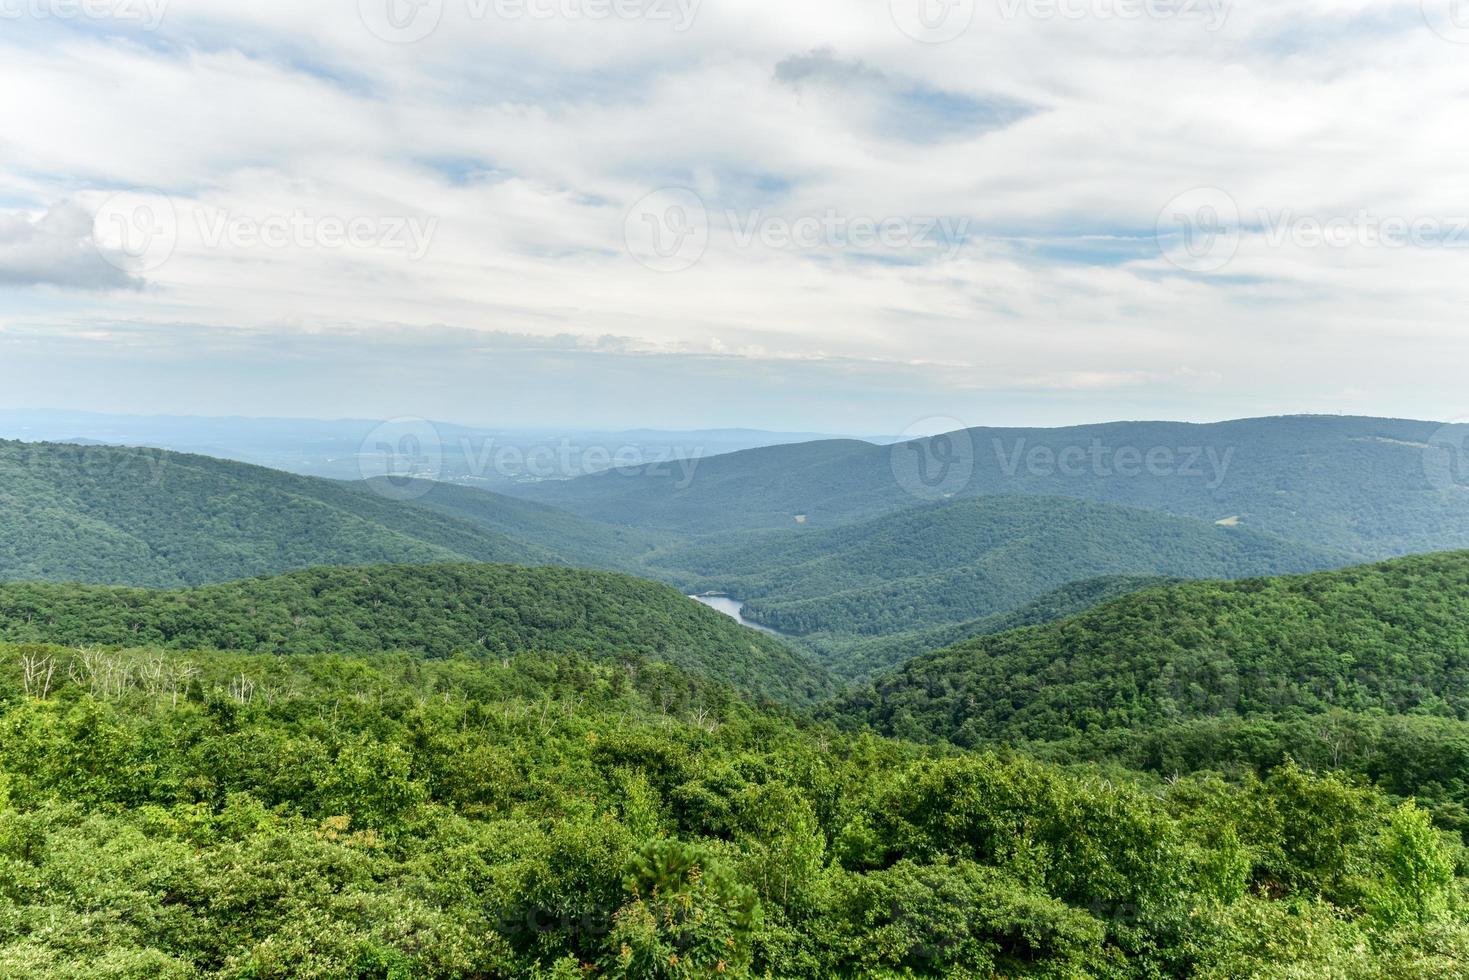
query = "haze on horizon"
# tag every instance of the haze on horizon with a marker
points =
(828, 217)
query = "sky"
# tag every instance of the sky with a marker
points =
(831, 215)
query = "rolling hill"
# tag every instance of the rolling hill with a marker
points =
(1358, 485)
(572, 539)
(946, 564)
(862, 657)
(1387, 638)
(435, 610)
(151, 518)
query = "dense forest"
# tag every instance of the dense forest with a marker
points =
(574, 540)
(862, 658)
(318, 816)
(950, 563)
(437, 610)
(150, 518)
(1388, 637)
(1359, 485)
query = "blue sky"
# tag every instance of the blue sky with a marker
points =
(792, 216)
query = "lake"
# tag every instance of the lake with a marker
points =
(733, 608)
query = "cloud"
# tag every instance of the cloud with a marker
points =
(56, 248)
(1058, 139)
(908, 110)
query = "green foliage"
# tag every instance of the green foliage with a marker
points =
(689, 916)
(965, 559)
(958, 918)
(1385, 638)
(864, 657)
(1356, 485)
(437, 610)
(1417, 887)
(150, 518)
(228, 815)
(573, 539)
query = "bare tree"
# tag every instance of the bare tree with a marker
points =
(242, 688)
(37, 672)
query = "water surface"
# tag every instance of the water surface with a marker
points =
(733, 608)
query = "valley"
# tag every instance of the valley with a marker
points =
(571, 732)
(734, 609)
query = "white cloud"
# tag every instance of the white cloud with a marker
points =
(524, 141)
(56, 248)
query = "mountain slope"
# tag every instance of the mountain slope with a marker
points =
(949, 563)
(1349, 484)
(152, 518)
(436, 610)
(864, 657)
(757, 488)
(1387, 637)
(573, 539)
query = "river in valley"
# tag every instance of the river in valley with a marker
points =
(733, 608)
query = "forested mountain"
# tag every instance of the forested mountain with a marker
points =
(1359, 485)
(573, 539)
(1388, 638)
(151, 518)
(316, 817)
(863, 657)
(827, 482)
(949, 563)
(435, 610)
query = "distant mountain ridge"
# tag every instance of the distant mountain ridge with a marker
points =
(152, 518)
(1357, 485)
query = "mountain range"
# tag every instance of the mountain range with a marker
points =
(1373, 488)
(1056, 762)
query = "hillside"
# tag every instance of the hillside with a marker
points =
(573, 539)
(436, 610)
(316, 817)
(827, 481)
(862, 658)
(949, 563)
(1386, 638)
(151, 518)
(1358, 485)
